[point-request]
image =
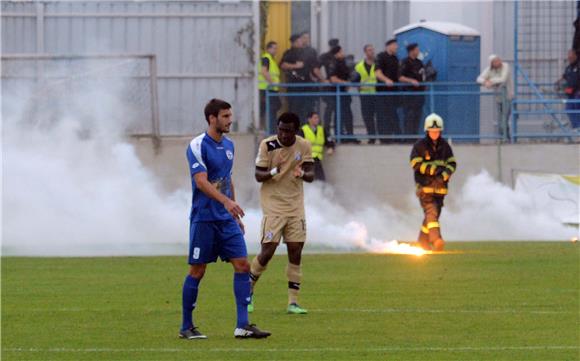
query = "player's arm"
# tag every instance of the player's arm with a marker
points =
(305, 170)
(203, 184)
(307, 173)
(263, 172)
(239, 220)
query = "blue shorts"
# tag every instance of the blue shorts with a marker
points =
(208, 240)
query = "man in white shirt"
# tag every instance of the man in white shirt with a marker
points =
(497, 76)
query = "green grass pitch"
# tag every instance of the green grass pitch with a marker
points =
(488, 301)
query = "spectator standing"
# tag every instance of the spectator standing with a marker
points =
(339, 73)
(269, 74)
(571, 78)
(313, 65)
(366, 70)
(413, 72)
(293, 64)
(311, 61)
(325, 60)
(497, 77)
(388, 72)
(315, 134)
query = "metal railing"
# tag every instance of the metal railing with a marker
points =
(438, 97)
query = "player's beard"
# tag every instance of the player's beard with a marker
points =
(223, 129)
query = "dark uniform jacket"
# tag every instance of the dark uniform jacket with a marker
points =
(340, 69)
(389, 65)
(302, 75)
(414, 69)
(572, 78)
(433, 165)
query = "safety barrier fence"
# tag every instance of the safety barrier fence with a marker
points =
(471, 112)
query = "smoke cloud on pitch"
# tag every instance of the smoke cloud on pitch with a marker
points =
(73, 186)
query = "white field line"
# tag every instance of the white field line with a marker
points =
(359, 310)
(304, 350)
(428, 310)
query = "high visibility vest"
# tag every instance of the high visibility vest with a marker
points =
(274, 71)
(317, 140)
(366, 77)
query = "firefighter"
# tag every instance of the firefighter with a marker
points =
(433, 162)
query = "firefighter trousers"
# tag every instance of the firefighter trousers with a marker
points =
(430, 234)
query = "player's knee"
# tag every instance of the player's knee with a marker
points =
(197, 271)
(241, 266)
(267, 253)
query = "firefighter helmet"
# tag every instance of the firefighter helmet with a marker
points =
(433, 121)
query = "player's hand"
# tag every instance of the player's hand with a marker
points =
(234, 209)
(299, 65)
(415, 82)
(487, 84)
(330, 151)
(241, 224)
(298, 171)
(389, 82)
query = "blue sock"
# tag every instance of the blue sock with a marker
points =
(190, 286)
(242, 293)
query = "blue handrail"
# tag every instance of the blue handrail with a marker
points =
(339, 90)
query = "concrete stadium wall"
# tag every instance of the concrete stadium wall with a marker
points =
(369, 174)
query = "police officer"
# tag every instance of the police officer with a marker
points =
(315, 134)
(269, 73)
(388, 72)
(325, 61)
(366, 71)
(340, 73)
(294, 65)
(433, 162)
(571, 79)
(413, 72)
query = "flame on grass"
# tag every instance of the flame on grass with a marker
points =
(396, 247)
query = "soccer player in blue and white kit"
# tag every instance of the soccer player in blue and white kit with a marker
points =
(216, 228)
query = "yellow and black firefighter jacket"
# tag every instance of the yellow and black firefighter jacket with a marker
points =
(433, 163)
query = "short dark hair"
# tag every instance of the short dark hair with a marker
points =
(288, 118)
(333, 42)
(390, 41)
(310, 114)
(412, 47)
(294, 37)
(214, 106)
(271, 44)
(366, 47)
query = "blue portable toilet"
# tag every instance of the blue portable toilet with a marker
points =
(454, 51)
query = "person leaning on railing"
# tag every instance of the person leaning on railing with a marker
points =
(325, 60)
(388, 72)
(366, 71)
(571, 81)
(413, 72)
(296, 71)
(269, 73)
(340, 73)
(497, 77)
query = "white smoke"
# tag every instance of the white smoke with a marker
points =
(76, 187)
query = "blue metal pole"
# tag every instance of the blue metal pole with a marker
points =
(268, 128)
(338, 115)
(431, 99)
(514, 117)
